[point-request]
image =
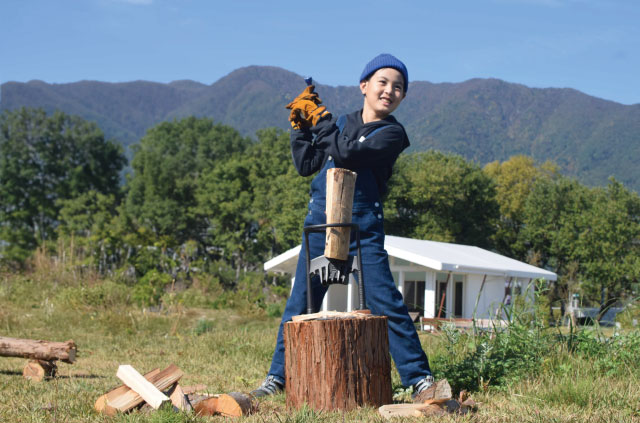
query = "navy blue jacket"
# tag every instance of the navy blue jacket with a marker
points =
(352, 148)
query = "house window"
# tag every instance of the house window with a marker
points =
(414, 295)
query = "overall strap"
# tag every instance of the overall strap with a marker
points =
(342, 120)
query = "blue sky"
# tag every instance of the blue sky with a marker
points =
(589, 45)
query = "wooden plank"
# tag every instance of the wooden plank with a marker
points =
(104, 403)
(341, 185)
(134, 380)
(38, 349)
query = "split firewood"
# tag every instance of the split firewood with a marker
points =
(410, 410)
(178, 398)
(234, 404)
(38, 350)
(102, 403)
(123, 399)
(439, 390)
(37, 370)
(134, 380)
(341, 185)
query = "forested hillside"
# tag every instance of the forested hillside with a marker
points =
(481, 119)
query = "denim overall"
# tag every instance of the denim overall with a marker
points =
(381, 295)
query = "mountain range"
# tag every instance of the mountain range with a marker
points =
(481, 119)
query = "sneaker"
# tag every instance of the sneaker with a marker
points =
(270, 386)
(422, 385)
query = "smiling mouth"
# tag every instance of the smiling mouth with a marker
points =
(386, 100)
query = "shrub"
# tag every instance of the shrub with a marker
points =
(149, 289)
(105, 294)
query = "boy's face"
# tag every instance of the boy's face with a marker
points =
(383, 92)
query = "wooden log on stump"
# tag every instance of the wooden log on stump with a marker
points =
(338, 363)
(38, 370)
(341, 185)
(38, 350)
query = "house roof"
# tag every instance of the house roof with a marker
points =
(440, 256)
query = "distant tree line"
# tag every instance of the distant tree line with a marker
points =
(200, 194)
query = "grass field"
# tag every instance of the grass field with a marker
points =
(230, 350)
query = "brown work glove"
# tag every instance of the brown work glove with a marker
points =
(306, 113)
(305, 109)
(306, 94)
(318, 114)
(297, 121)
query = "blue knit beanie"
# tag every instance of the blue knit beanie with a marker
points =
(386, 61)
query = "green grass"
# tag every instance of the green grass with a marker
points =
(230, 350)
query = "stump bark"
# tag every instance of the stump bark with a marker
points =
(338, 363)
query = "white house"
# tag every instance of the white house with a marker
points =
(438, 279)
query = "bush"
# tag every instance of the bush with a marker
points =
(491, 360)
(612, 356)
(150, 288)
(630, 317)
(106, 294)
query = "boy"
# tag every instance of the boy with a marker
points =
(368, 142)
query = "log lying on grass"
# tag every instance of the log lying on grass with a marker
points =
(233, 404)
(37, 370)
(38, 350)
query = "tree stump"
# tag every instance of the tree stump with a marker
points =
(338, 363)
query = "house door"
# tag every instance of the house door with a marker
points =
(449, 285)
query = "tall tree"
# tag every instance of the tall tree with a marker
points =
(168, 166)
(224, 199)
(441, 197)
(608, 247)
(44, 159)
(514, 180)
(281, 195)
(552, 227)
